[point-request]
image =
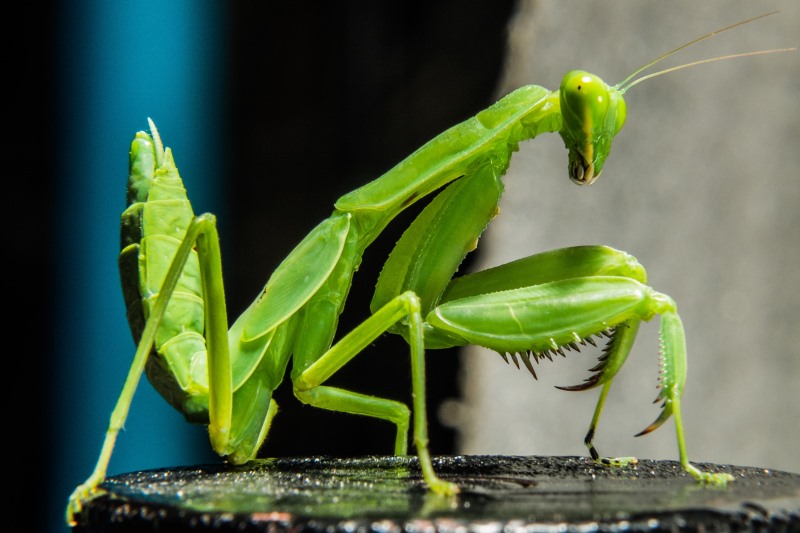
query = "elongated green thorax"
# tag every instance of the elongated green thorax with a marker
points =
(491, 137)
(592, 114)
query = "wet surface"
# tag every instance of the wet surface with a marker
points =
(499, 493)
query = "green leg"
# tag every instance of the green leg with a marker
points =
(705, 477)
(553, 265)
(308, 387)
(202, 231)
(336, 399)
(537, 320)
(673, 362)
(672, 381)
(608, 461)
(565, 263)
(618, 354)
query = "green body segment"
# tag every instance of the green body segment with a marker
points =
(490, 136)
(435, 244)
(298, 277)
(319, 318)
(543, 317)
(564, 263)
(311, 285)
(152, 228)
(672, 363)
(296, 315)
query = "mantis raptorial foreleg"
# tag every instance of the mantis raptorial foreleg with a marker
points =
(535, 307)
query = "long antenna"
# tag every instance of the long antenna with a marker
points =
(622, 87)
(710, 60)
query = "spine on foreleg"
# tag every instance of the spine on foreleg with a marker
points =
(152, 228)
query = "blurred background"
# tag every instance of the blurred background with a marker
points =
(702, 188)
(274, 110)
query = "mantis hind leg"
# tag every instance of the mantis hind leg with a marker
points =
(202, 234)
(308, 388)
(120, 413)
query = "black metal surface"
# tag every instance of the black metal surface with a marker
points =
(499, 494)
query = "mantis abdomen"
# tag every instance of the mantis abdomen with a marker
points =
(152, 228)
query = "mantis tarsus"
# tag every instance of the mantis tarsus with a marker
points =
(535, 307)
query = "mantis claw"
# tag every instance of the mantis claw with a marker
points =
(717, 479)
(666, 412)
(443, 488)
(82, 494)
(616, 461)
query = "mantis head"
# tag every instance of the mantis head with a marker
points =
(592, 113)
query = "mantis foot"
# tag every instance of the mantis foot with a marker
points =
(82, 494)
(616, 461)
(709, 478)
(605, 461)
(443, 488)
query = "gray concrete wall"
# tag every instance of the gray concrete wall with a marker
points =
(703, 187)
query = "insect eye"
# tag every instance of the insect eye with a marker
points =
(584, 100)
(622, 111)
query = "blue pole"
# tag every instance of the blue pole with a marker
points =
(119, 63)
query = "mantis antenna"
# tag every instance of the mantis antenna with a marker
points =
(622, 87)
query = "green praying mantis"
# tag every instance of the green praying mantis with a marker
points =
(528, 309)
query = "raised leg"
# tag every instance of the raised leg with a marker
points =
(557, 265)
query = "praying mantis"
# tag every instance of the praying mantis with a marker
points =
(532, 308)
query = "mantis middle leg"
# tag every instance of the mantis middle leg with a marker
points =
(308, 385)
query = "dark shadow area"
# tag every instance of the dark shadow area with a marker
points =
(29, 116)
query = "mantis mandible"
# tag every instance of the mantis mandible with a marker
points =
(528, 309)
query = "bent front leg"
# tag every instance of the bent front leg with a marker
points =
(672, 365)
(404, 309)
(545, 267)
(557, 265)
(614, 355)
(547, 319)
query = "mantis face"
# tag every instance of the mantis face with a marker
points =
(592, 114)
